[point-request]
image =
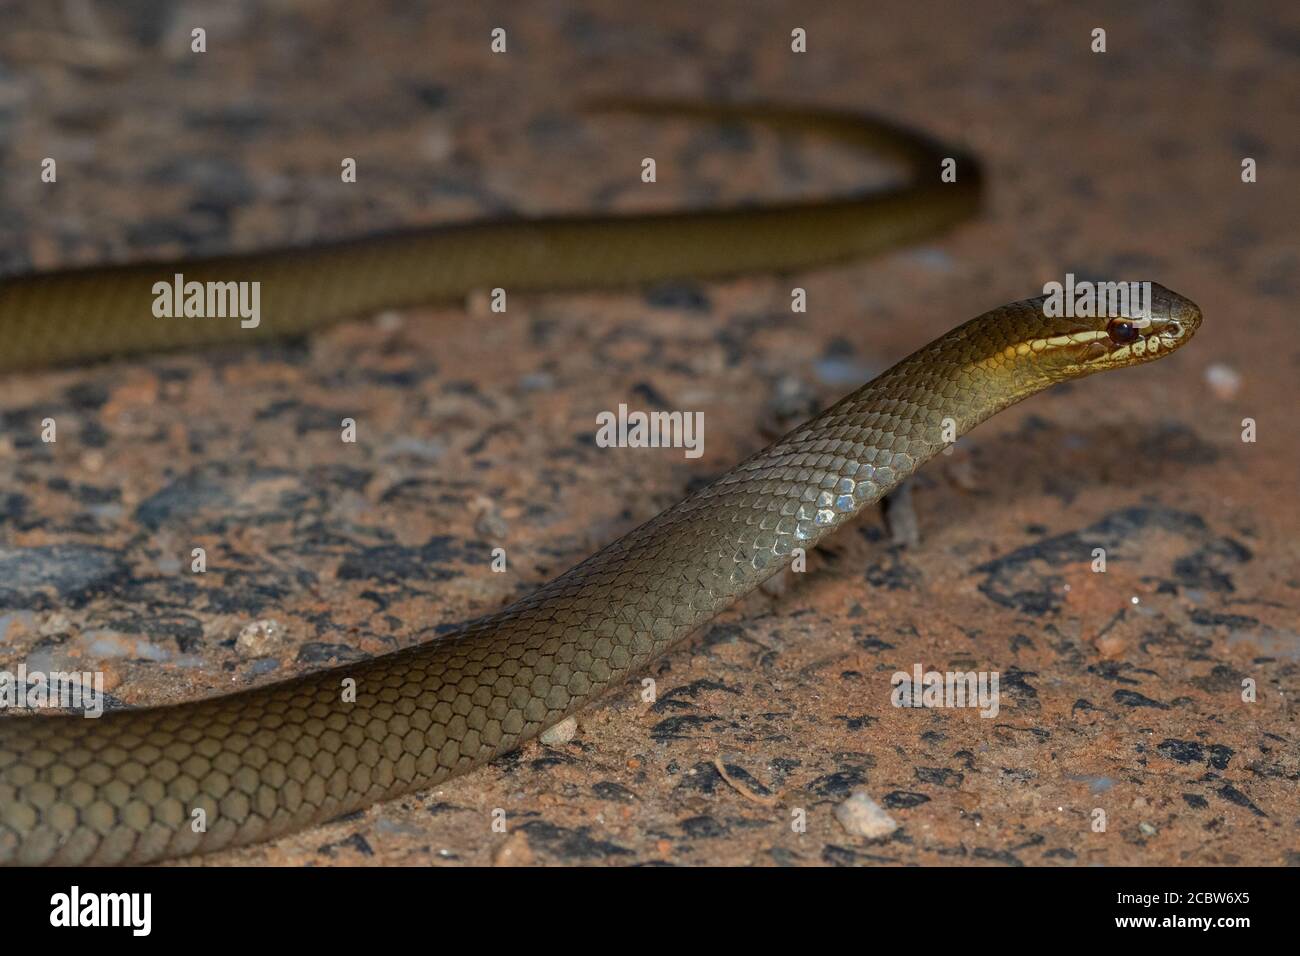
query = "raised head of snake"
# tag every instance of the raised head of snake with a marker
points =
(1023, 347)
(1126, 336)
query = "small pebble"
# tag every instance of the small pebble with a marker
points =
(1224, 380)
(561, 733)
(1147, 829)
(491, 525)
(389, 320)
(260, 638)
(514, 851)
(1111, 646)
(861, 816)
(55, 623)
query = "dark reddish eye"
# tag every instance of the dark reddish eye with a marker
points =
(1121, 332)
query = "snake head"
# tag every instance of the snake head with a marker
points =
(1148, 326)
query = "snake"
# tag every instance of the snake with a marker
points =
(141, 785)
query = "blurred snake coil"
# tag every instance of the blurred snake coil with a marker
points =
(267, 761)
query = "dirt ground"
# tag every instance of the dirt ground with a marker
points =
(1121, 693)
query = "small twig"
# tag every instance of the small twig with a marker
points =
(741, 789)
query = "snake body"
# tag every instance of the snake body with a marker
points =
(264, 762)
(77, 315)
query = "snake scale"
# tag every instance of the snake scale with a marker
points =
(267, 761)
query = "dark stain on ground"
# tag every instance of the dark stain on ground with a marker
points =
(569, 843)
(1189, 751)
(392, 564)
(1024, 579)
(60, 575)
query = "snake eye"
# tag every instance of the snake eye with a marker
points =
(1121, 332)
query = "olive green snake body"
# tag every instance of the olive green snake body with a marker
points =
(264, 762)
